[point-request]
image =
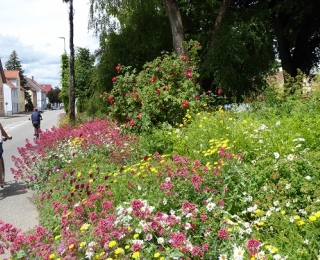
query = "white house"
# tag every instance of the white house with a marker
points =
(38, 94)
(11, 91)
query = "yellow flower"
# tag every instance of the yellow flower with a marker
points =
(261, 223)
(57, 237)
(91, 180)
(82, 244)
(317, 214)
(135, 236)
(162, 258)
(283, 212)
(79, 174)
(85, 227)
(274, 249)
(313, 218)
(156, 255)
(51, 256)
(127, 247)
(300, 222)
(135, 255)
(118, 251)
(112, 243)
(71, 246)
(258, 211)
(296, 217)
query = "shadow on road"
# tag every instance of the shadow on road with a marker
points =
(12, 188)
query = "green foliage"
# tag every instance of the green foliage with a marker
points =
(84, 61)
(144, 33)
(54, 95)
(161, 93)
(13, 63)
(64, 81)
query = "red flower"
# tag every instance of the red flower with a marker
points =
(118, 67)
(114, 79)
(185, 104)
(219, 91)
(189, 74)
(158, 91)
(153, 79)
(167, 88)
(132, 123)
(183, 58)
(111, 100)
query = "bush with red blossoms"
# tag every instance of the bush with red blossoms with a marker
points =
(160, 93)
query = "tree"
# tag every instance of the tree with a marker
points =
(14, 63)
(72, 99)
(141, 32)
(296, 29)
(84, 62)
(65, 81)
(172, 10)
(53, 95)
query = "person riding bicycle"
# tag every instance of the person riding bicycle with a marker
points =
(35, 119)
(3, 135)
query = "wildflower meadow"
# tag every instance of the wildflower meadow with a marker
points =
(217, 184)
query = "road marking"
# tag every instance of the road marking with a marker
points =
(14, 125)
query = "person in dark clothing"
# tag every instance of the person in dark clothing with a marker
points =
(35, 119)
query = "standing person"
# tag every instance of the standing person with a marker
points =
(35, 119)
(4, 134)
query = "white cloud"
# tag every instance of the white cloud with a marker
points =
(32, 28)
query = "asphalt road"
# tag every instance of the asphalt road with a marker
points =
(16, 203)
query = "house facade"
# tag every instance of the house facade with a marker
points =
(13, 93)
(38, 94)
(2, 82)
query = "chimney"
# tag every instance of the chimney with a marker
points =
(32, 78)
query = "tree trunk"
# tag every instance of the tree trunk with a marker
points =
(217, 25)
(173, 12)
(283, 46)
(72, 115)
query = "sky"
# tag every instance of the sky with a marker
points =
(32, 28)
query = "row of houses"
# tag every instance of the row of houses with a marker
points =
(12, 94)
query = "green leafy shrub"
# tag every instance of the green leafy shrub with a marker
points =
(161, 92)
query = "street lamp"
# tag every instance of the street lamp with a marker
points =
(6, 108)
(64, 43)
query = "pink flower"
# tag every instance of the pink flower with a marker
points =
(253, 246)
(132, 123)
(219, 91)
(114, 79)
(177, 239)
(189, 74)
(153, 79)
(118, 67)
(223, 234)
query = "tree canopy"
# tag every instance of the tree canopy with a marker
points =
(241, 39)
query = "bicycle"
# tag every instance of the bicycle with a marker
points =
(2, 164)
(36, 127)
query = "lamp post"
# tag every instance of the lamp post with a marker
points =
(6, 108)
(64, 43)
